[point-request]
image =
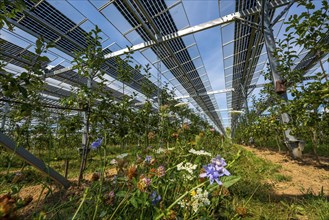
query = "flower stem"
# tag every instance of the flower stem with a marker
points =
(180, 198)
(81, 203)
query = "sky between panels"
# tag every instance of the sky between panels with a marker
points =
(211, 50)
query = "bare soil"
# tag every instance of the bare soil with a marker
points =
(302, 176)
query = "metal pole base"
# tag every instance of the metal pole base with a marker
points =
(296, 148)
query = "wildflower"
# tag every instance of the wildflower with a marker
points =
(148, 159)
(151, 135)
(160, 171)
(155, 198)
(113, 162)
(111, 194)
(109, 198)
(211, 173)
(200, 199)
(96, 144)
(185, 126)
(215, 169)
(160, 150)
(132, 171)
(121, 156)
(175, 135)
(143, 183)
(183, 203)
(189, 167)
(112, 172)
(219, 164)
(200, 152)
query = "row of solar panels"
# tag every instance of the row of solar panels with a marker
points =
(42, 19)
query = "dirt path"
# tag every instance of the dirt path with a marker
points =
(306, 176)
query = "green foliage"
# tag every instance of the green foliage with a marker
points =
(309, 99)
(9, 10)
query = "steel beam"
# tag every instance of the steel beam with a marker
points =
(291, 141)
(201, 27)
(205, 93)
(34, 161)
(285, 10)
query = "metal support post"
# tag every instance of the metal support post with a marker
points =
(85, 147)
(245, 97)
(21, 152)
(291, 141)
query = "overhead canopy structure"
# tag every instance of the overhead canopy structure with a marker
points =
(162, 34)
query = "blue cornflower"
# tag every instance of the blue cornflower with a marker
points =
(155, 198)
(96, 144)
(219, 161)
(219, 164)
(215, 169)
(211, 173)
(148, 159)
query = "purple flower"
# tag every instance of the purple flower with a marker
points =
(215, 169)
(96, 144)
(112, 194)
(155, 198)
(219, 164)
(219, 161)
(148, 159)
(211, 173)
(161, 171)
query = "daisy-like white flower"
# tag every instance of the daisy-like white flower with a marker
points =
(189, 167)
(199, 152)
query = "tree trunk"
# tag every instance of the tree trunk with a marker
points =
(66, 167)
(315, 142)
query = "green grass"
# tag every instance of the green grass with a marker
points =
(252, 197)
(255, 196)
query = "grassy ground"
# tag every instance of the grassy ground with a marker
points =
(252, 197)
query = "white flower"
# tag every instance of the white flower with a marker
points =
(200, 152)
(159, 151)
(183, 203)
(200, 199)
(121, 156)
(189, 167)
(113, 161)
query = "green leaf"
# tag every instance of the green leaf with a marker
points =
(230, 180)
(103, 213)
(121, 194)
(133, 202)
